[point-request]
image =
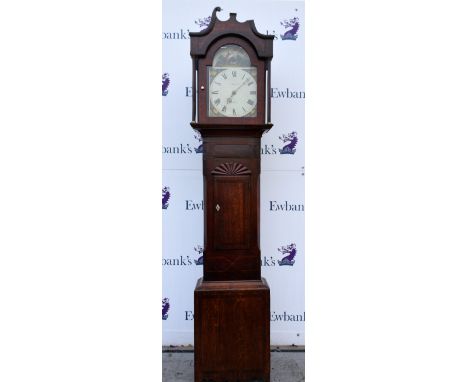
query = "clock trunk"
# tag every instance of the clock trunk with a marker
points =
(231, 171)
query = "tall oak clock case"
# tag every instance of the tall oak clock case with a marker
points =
(231, 110)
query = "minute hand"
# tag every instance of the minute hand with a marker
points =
(234, 92)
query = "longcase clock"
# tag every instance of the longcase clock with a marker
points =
(231, 110)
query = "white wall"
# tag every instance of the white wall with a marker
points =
(282, 178)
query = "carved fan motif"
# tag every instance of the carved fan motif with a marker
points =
(231, 169)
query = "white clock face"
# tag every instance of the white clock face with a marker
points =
(233, 92)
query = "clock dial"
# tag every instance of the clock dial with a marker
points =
(233, 92)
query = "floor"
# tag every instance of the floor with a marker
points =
(286, 365)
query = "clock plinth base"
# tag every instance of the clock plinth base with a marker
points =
(232, 331)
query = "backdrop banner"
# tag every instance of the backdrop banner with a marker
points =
(282, 177)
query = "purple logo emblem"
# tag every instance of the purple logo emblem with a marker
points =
(165, 83)
(165, 197)
(199, 250)
(290, 250)
(203, 22)
(290, 34)
(290, 148)
(199, 149)
(165, 308)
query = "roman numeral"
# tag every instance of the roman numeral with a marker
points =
(215, 92)
(234, 73)
(250, 102)
(217, 101)
(224, 76)
(234, 112)
(224, 108)
(253, 92)
(218, 83)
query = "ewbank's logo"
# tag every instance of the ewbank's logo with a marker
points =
(288, 93)
(166, 195)
(181, 148)
(290, 34)
(199, 250)
(191, 205)
(203, 22)
(274, 316)
(185, 260)
(185, 148)
(290, 148)
(165, 83)
(286, 316)
(265, 262)
(290, 251)
(165, 308)
(289, 145)
(182, 35)
(199, 149)
(275, 93)
(286, 206)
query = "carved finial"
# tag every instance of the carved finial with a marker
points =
(213, 15)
